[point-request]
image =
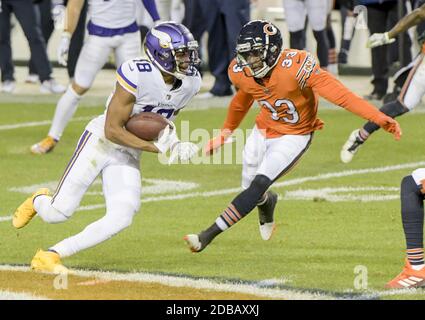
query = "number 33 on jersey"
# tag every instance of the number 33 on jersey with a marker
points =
(288, 104)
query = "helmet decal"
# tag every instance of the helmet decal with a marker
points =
(270, 29)
(171, 47)
(258, 48)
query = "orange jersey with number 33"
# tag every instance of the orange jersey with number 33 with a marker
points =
(289, 96)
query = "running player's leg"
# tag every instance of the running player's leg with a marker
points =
(317, 11)
(129, 48)
(410, 96)
(93, 57)
(122, 190)
(295, 16)
(280, 155)
(83, 168)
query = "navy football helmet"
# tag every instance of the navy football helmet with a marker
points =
(258, 48)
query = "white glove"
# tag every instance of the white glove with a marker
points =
(183, 151)
(58, 13)
(63, 48)
(167, 138)
(379, 39)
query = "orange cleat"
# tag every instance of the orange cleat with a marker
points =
(408, 278)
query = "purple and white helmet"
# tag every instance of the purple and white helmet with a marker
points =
(171, 47)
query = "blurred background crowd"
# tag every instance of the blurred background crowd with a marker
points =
(30, 29)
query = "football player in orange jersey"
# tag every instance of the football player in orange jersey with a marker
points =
(286, 83)
(412, 78)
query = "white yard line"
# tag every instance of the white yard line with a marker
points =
(290, 182)
(256, 288)
(11, 295)
(194, 283)
(234, 287)
(38, 123)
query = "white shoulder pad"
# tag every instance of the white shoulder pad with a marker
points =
(196, 82)
(127, 76)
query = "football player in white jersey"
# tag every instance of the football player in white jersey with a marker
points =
(112, 28)
(162, 83)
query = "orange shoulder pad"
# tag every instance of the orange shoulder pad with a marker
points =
(236, 74)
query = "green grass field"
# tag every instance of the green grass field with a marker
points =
(318, 242)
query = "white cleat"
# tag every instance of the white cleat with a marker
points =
(8, 86)
(32, 78)
(51, 86)
(351, 146)
(192, 240)
(266, 215)
(267, 230)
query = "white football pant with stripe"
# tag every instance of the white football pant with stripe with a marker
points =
(121, 180)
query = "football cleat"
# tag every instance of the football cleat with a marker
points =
(44, 146)
(265, 216)
(408, 278)
(48, 261)
(26, 211)
(351, 146)
(8, 86)
(51, 86)
(193, 242)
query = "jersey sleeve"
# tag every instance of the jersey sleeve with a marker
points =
(241, 101)
(151, 8)
(127, 77)
(238, 108)
(328, 87)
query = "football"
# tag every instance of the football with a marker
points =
(146, 125)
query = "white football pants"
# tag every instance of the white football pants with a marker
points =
(296, 12)
(96, 51)
(121, 181)
(414, 87)
(271, 157)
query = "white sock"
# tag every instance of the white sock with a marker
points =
(418, 267)
(65, 109)
(44, 209)
(221, 224)
(95, 233)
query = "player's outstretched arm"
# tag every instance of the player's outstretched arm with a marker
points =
(334, 91)
(119, 111)
(238, 108)
(408, 21)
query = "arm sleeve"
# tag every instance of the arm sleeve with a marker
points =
(238, 108)
(334, 91)
(150, 6)
(127, 77)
